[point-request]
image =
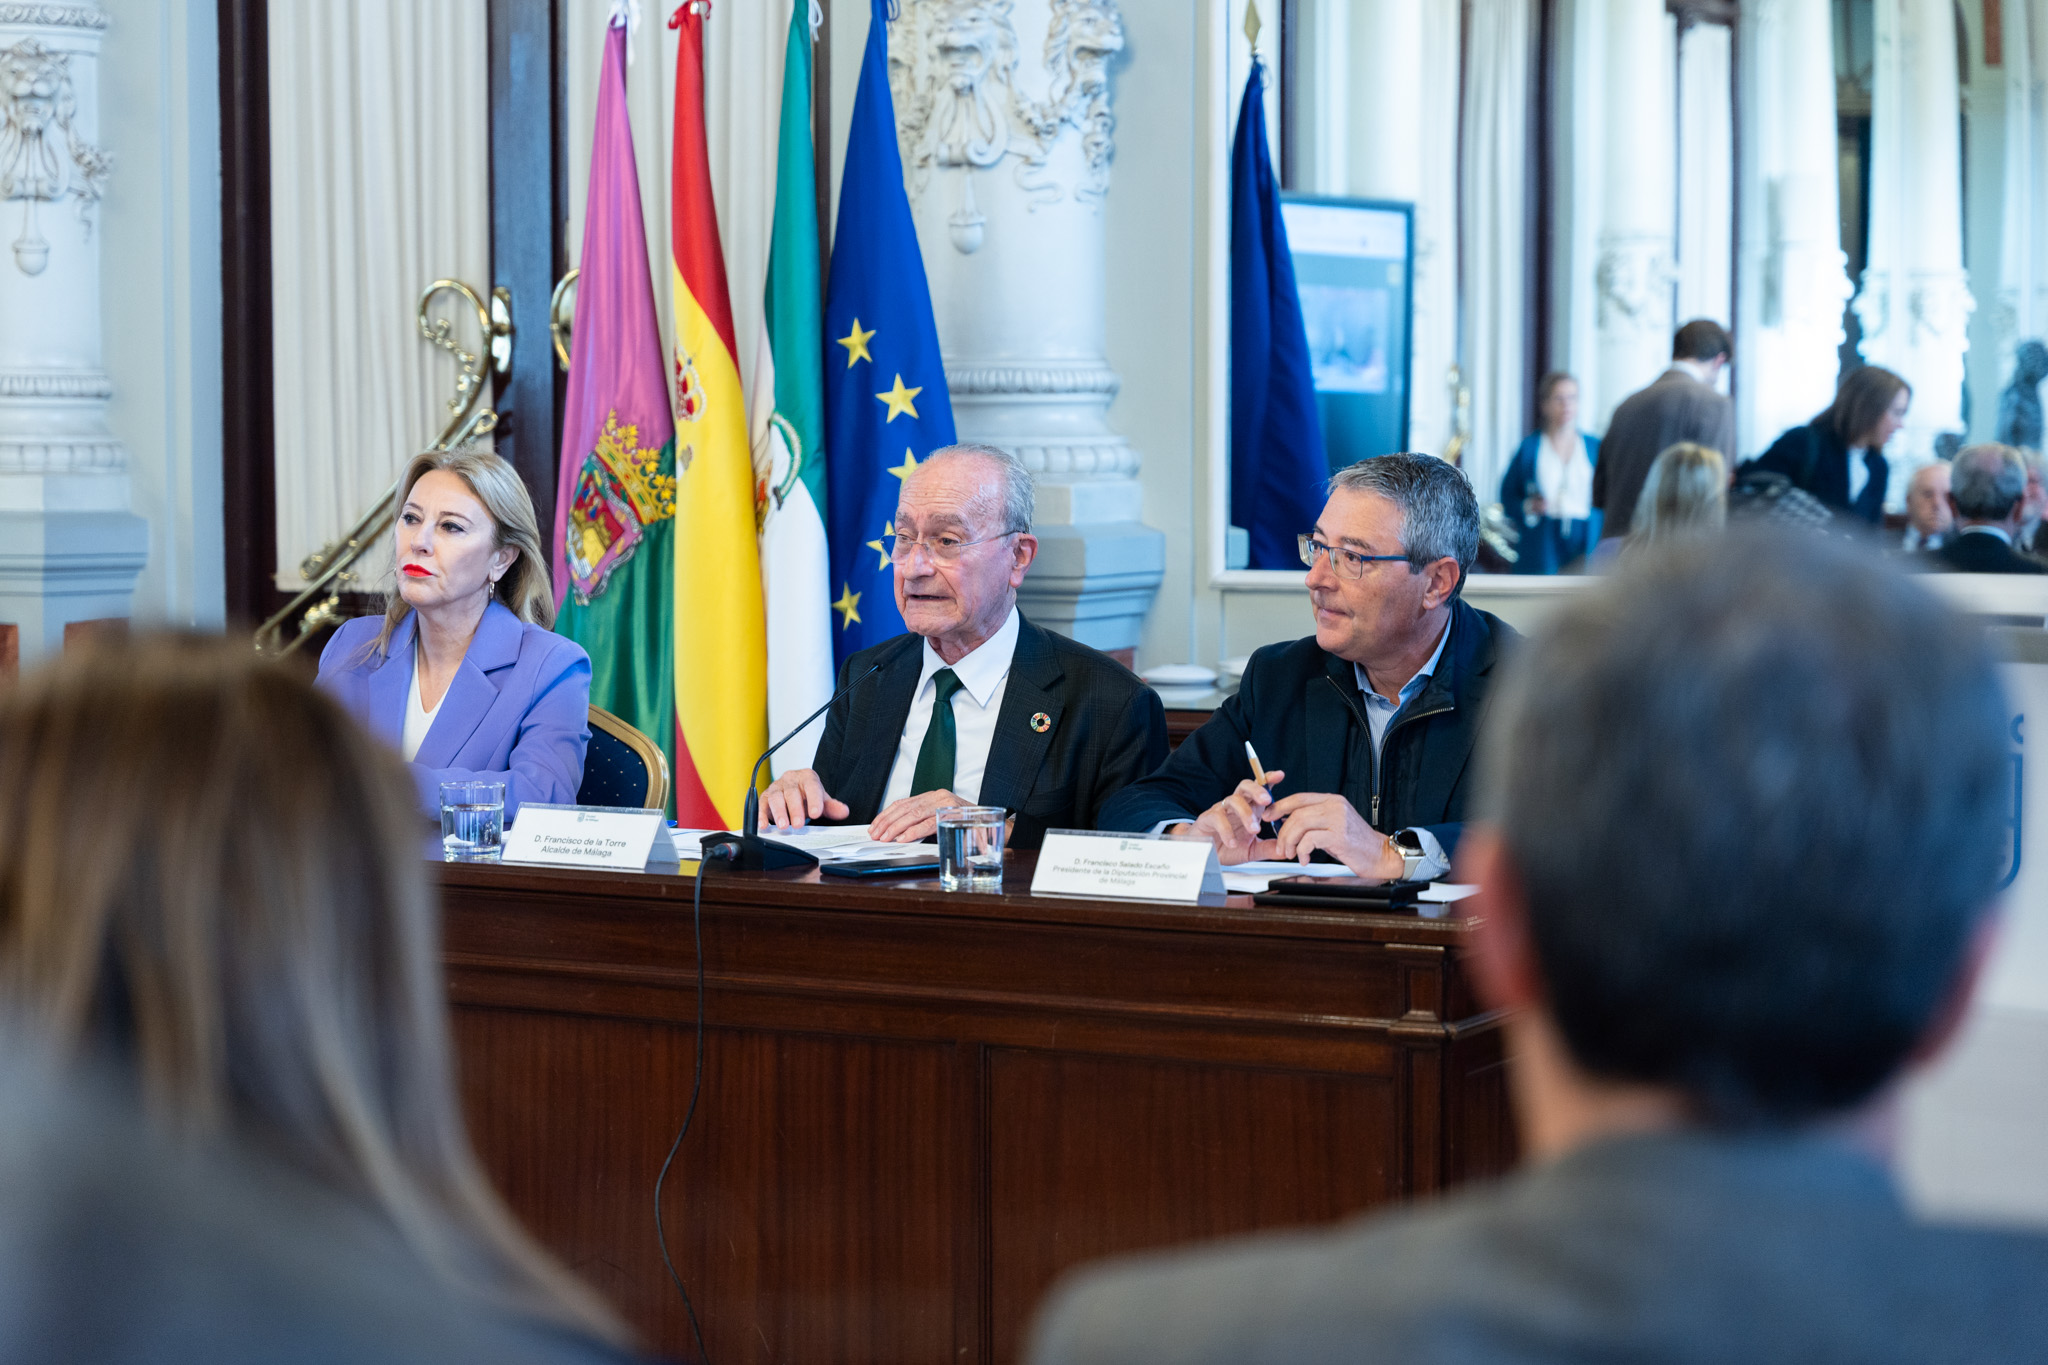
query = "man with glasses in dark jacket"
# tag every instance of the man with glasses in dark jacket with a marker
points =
(1364, 730)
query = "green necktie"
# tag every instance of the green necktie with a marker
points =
(934, 770)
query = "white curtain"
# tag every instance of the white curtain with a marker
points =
(1494, 235)
(744, 42)
(1706, 174)
(380, 184)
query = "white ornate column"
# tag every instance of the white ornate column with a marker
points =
(1915, 304)
(1004, 113)
(1793, 277)
(1390, 90)
(70, 548)
(1637, 244)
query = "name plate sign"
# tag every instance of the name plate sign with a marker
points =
(1126, 867)
(588, 836)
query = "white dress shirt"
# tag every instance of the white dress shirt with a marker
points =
(418, 719)
(1859, 473)
(984, 674)
(1564, 478)
(1379, 713)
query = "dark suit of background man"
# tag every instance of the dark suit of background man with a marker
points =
(1680, 406)
(1368, 725)
(975, 705)
(1715, 969)
(1987, 486)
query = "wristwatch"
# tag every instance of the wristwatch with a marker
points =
(1409, 845)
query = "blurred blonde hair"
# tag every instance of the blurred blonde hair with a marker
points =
(1684, 496)
(213, 879)
(527, 587)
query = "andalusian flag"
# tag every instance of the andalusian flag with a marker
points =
(721, 644)
(615, 498)
(789, 429)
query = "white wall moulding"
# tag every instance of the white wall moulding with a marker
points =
(1006, 124)
(1914, 304)
(1636, 241)
(1792, 279)
(72, 547)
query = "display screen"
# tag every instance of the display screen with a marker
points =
(1353, 270)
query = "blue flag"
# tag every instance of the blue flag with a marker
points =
(1277, 466)
(886, 404)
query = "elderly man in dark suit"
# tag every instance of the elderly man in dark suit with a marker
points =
(975, 705)
(1987, 487)
(1681, 405)
(1714, 965)
(1368, 724)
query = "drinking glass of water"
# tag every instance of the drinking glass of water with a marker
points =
(472, 821)
(971, 848)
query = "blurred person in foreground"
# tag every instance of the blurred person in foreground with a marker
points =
(462, 674)
(1838, 457)
(212, 886)
(123, 1245)
(1929, 518)
(1987, 489)
(1682, 405)
(1718, 960)
(1548, 489)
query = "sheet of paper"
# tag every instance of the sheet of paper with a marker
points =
(809, 838)
(1446, 892)
(1284, 869)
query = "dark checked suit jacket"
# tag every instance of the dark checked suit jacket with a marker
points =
(1107, 728)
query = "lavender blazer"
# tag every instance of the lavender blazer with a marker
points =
(518, 710)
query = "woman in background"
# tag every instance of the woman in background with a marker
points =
(462, 674)
(212, 884)
(1838, 457)
(1685, 497)
(1548, 489)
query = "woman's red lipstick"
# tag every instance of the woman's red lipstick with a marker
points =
(417, 571)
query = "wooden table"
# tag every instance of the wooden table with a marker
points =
(919, 1108)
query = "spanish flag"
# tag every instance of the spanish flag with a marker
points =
(721, 631)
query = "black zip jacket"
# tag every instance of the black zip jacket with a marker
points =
(1301, 709)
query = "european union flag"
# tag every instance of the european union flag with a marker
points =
(886, 404)
(1277, 465)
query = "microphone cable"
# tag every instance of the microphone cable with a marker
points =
(696, 1088)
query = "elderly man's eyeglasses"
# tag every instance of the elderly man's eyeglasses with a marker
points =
(1344, 563)
(945, 549)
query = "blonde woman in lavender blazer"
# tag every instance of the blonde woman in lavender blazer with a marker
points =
(462, 674)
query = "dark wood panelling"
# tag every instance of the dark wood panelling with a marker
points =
(1101, 1156)
(809, 1212)
(10, 652)
(529, 214)
(919, 1108)
(1181, 724)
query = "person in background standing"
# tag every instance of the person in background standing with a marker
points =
(1681, 406)
(1548, 489)
(1819, 458)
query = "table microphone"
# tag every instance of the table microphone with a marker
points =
(748, 849)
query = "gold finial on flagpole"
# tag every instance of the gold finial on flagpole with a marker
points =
(1252, 25)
